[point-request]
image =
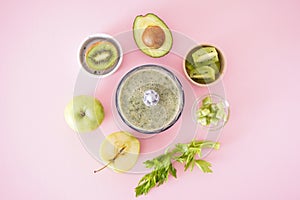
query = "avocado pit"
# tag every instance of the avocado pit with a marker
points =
(153, 37)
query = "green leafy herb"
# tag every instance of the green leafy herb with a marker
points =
(188, 154)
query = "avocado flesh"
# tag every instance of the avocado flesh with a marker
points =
(141, 23)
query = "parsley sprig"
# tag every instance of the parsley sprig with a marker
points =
(187, 154)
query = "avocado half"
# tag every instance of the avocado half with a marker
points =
(152, 35)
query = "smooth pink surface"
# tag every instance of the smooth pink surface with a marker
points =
(41, 158)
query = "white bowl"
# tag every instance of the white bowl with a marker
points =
(91, 40)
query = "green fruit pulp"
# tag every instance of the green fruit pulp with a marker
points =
(204, 72)
(102, 56)
(205, 55)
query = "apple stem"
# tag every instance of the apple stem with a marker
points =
(114, 158)
(98, 170)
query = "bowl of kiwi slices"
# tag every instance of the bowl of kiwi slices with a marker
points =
(204, 65)
(100, 55)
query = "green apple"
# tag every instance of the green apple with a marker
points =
(84, 113)
(119, 151)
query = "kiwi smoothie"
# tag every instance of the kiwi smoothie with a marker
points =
(141, 114)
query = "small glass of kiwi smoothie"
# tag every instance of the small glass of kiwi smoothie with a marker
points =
(149, 99)
(100, 55)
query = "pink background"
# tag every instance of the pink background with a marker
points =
(41, 158)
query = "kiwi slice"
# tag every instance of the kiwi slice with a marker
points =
(101, 55)
(189, 66)
(216, 66)
(204, 72)
(205, 56)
